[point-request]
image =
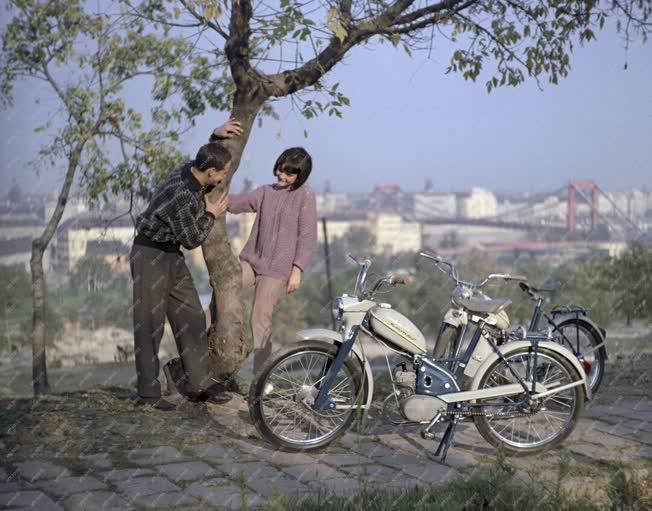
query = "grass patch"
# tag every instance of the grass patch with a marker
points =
(495, 489)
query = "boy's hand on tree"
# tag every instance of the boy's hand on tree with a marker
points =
(229, 129)
(216, 208)
(295, 279)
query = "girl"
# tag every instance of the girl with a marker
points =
(282, 241)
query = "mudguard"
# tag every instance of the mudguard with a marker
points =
(512, 346)
(558, 319)
(456, 317)
(327, 335)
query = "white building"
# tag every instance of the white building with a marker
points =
(394, 235)
(434, 205)
(331, 203)
(73, 236)
(633, 204)
(480, 203)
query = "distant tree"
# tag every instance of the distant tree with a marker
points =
(247, 184)
(87, 59)
(15, 193)
(15, 308)
(327, 186)
(583, 285)
(91, 274)
(450, 239)
(359, 241)
(428, 186)
(600, 233)
(629, 277)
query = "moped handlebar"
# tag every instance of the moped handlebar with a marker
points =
(364, 265)
(360, 282)
(452, 272)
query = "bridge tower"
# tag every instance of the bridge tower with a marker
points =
(578, 188)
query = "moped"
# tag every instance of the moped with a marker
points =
(526, 394)
(570, 325)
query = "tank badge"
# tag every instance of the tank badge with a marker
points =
(401, 330)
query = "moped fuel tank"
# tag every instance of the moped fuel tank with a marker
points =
(391, 325)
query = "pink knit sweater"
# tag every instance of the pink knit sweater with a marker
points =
(284, 232)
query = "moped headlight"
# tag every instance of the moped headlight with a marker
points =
(338, 309)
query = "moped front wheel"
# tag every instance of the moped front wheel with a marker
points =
(546, 422)
(281, 398)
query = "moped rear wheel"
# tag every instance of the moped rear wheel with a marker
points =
(581, 338)
(281, 397)
(523, 430)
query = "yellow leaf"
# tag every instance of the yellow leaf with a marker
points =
(335, 24)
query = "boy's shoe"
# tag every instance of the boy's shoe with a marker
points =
(209, 396)
(156, 402)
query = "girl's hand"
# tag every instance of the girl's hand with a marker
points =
(295, 279)
(228, 129)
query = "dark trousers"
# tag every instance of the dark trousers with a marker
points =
(164, 287)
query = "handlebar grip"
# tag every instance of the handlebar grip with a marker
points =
(431, 255)
(395, 280)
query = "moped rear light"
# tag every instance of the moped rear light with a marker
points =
(587, 367)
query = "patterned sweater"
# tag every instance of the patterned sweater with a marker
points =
(284, 232)
(176, 214)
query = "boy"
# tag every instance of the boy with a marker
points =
(178, 215)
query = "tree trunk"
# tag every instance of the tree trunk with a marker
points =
(39, 367)
(40, 382)
(227, 336)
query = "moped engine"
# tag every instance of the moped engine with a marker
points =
(431, 380)
(404, 378)
(405, 381)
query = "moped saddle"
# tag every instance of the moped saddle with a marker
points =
(543, 288)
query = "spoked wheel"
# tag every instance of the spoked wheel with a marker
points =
(541, 424)
(581, 339)
(281, 399)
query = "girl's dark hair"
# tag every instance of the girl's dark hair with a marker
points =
(213, 155)
(298, 160)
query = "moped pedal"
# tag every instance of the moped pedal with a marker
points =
(427, 435)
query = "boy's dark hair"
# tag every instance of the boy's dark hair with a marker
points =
(213, 155)
(297, 160)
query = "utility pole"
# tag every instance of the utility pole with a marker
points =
(328, 266)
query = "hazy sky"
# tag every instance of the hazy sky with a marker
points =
(408, 121)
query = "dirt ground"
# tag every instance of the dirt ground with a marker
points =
(67, 429)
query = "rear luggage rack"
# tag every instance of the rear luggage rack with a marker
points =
(578, 310)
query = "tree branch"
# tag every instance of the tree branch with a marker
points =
(288, 82)
(139, 14)
(212, 24)
(505, 48)
(237, 45)
(448, 5)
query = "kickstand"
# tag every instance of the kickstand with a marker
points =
(447, 439)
